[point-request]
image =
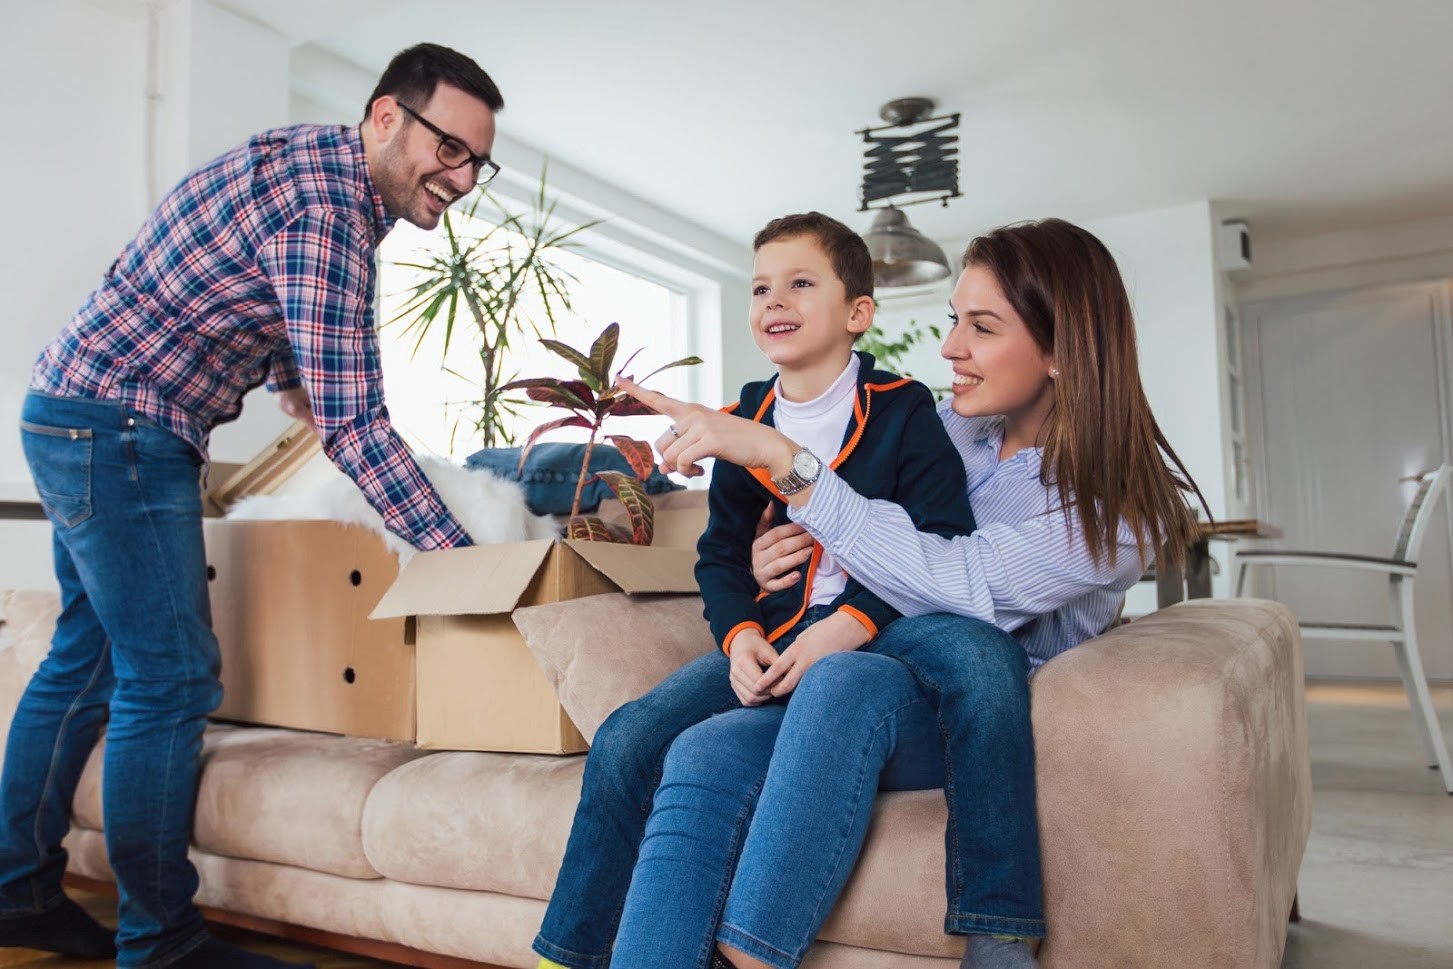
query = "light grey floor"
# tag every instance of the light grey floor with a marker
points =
(1377, 880)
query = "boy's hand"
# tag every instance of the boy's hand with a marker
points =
(751, 653)
(837, 633)
(777, 553)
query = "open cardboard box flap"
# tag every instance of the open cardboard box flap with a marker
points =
(478, 579)
(487, 580)
(634, 569)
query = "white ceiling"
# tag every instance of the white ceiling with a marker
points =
(1302, 115)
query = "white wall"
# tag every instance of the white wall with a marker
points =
(1337, 261)
(76, 193)
(78, 77)
(73, 166)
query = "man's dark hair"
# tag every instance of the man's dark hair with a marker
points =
(845, 249)
(413, 74)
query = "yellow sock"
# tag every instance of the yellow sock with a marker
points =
(547, 964)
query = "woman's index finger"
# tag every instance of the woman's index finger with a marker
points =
(655, 400)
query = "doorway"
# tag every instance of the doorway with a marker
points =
(1349, 395)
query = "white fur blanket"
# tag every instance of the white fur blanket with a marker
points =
(491, 509)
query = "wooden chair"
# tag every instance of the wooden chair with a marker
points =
(1401, 570)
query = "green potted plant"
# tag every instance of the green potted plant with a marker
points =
(590, 400)
(506, 281)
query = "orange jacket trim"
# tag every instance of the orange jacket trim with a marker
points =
(726, 643)
(857, 614)
(781, 630)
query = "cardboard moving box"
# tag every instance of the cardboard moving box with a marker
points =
(320, 631)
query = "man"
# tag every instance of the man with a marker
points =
(258, 266)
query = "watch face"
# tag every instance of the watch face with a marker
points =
(806, 465)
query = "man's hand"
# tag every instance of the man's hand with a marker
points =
(751, 653)
(294, 402)
(777, 553)
(837, 633)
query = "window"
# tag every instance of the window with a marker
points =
(430, 405)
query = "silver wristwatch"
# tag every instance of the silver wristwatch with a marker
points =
(806, 467)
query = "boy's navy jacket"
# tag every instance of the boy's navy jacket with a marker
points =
(895, 447)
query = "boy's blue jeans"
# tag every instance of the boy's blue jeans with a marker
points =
(972, 674)
(762, 812)
(134, 640)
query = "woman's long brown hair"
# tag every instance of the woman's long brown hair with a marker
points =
(1103, 450)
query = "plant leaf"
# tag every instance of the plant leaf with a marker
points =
(627, 406)
(603, 353)
(638, 454)
(632, 494)
(574, 420)
(553, 390)
(590, 528)
(683, 362)
(567, 351)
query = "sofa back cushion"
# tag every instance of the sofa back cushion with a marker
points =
(602, 651)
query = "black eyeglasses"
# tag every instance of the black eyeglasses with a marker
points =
(454, 153)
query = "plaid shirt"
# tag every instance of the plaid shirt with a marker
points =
(258, 266)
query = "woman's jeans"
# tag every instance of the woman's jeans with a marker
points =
(973, 675)
(134, 640)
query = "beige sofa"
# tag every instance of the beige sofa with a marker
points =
(1174, 807)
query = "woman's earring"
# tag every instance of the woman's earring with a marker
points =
(1054, 373)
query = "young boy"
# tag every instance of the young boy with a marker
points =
(812, 298)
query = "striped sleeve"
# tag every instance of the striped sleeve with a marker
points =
(1006, 574)
(321, 267)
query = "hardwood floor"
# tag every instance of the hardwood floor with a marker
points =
(104, 910)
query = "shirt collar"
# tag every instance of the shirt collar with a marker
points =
(989, 435)
(382, 221)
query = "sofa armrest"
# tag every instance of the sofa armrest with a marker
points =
(1174, 789)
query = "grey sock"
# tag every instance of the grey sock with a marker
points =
(998, 952)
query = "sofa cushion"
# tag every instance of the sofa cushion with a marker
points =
(277, 795)
(472, 820)
(27, 619)
(601, 651)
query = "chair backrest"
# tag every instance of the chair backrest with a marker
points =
(1420, 513)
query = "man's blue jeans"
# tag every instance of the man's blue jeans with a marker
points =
(134, 640)
(972, 674)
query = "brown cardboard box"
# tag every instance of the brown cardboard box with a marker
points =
(307, 642)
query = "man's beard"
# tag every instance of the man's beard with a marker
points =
(392, 184)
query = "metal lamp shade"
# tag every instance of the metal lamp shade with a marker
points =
(903, 256)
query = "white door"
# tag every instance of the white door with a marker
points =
(1350, 394)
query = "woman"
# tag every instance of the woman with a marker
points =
(1069, 481)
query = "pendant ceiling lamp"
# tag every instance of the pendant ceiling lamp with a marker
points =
(911, 159)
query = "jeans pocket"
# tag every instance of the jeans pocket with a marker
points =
(60, 464)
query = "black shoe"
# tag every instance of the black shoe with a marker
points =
(65, 929)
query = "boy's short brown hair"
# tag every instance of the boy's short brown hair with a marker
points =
(845, 249)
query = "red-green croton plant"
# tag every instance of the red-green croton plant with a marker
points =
(590, 400)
